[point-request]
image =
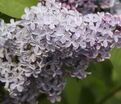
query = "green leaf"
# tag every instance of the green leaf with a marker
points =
(100, 81)
(72, 91)
(5, 17)
(15, 8)
(103, 71)
(116, 61)
(87, 96)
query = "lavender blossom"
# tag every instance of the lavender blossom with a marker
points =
(88, 6)
(35, 50)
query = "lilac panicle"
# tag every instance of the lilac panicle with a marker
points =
(49, 43)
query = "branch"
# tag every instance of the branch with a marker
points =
(109, 95)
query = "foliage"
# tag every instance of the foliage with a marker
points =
(15, 8)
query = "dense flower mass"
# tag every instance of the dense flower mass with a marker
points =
(49, 43)
(88, 6)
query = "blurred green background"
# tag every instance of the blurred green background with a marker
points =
(103, 86)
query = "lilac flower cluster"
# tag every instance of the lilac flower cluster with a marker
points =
(49, 43)
(88, 6)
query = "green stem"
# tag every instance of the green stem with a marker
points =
(109, 95)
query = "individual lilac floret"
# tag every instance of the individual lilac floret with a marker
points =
(49, 43)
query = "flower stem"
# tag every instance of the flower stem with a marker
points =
(109, 95)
